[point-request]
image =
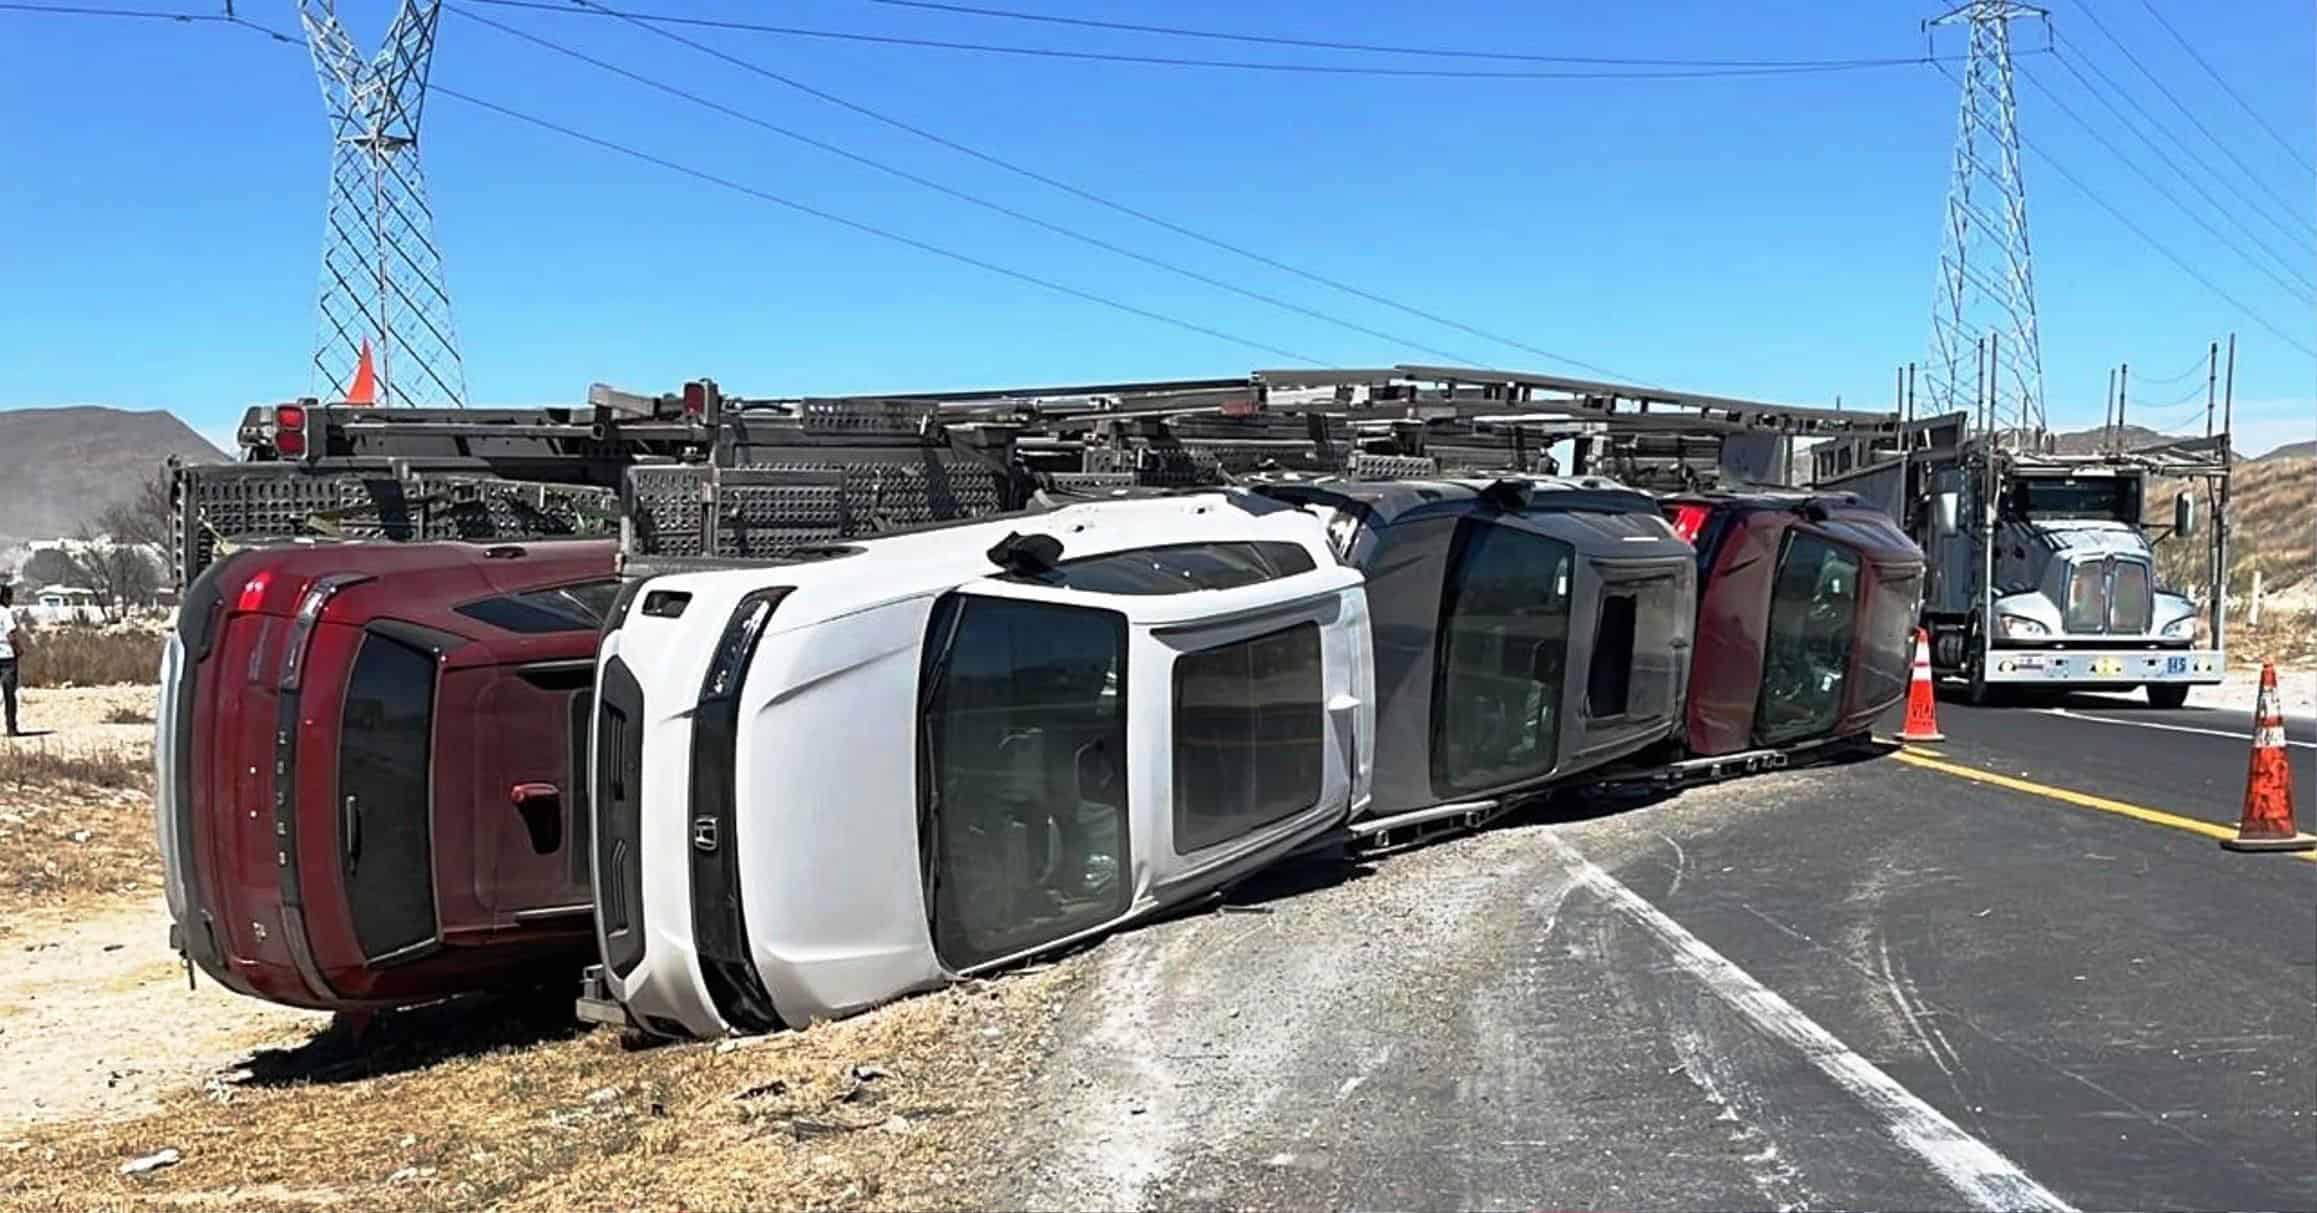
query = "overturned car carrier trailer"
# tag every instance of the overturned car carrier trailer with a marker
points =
(1236, 702)
(693, 482)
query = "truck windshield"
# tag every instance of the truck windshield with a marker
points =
(2114, 498)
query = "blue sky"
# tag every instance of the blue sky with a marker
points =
(161, 191)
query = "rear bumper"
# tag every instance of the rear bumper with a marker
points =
(2104, 667)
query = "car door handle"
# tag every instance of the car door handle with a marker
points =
(540, 805)
(350, 830)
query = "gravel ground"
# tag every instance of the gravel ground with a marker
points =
(79, 718)
(2296, 691)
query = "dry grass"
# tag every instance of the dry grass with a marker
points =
(497, 1104)
(74, 825)
(2289, 639)
(76, 655)
(2272, 527)
(127, 714)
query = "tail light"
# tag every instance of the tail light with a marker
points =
(253, 591)
(310, 607)
(1688, 520)
(290, 430)
(703, 404)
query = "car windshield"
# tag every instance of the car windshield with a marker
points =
(1806, 660)
(1503, 649)
(1024, 770)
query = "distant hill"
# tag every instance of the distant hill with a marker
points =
(2291, 450)
(2134, 437)
(60, 467)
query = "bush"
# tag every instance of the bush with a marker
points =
(23, 767)
(79, 655)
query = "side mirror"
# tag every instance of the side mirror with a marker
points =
(2183, 515)
(1944, 508)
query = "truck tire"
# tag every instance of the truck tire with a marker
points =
(1976, 690)
(2167, 695)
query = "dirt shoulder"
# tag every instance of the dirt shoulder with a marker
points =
(107, 1057)
(76, 809)
(503, 1102)
(96, 1019)
(2240, 689)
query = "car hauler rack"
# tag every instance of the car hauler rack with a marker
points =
(790, 473)
(337, 471)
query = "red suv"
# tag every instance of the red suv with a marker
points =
(1806, 617)
(371, 764)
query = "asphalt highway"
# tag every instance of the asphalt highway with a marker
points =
(2012, 970)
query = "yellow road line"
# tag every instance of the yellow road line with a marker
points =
(2080, 799)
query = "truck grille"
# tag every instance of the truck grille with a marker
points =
(2131, 598)
(2087, 605)
(2109, 595)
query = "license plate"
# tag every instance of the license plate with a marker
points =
(2176, 665)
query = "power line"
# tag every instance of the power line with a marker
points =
(2195, 394)
(2182, 106)
(1319, 69)
(2199, 367)
(761, 195)
(961, 195)
(2228, 88)
(1033, 175)
(2291, 264)
(1087, 195)
(80, 10)
(2152, 241)
(1367, 47)
(2284, 225)
(2299, 289)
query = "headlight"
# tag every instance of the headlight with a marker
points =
(2180, 629)
(2021, 625)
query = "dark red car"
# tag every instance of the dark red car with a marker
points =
(371, 758)
(1806, 617)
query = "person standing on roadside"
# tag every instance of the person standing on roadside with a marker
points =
(11, 643)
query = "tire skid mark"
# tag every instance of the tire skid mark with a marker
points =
(1983, 1177)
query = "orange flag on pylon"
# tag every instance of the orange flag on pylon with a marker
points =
(365, 389)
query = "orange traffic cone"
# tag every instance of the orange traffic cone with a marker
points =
(2268, 823)
(1922, 705)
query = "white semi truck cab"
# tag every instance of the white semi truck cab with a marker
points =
(2043, 567)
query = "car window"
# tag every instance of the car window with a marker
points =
(1250, 735)
(1176, 568)
(568, 608)
(1503, 650)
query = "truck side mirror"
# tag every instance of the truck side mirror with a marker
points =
(1944, 508)
(2183, 515)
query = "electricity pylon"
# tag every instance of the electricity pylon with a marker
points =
(1986, 297)
(382, 282)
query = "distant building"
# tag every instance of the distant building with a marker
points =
(57, 604)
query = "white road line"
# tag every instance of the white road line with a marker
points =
(2169, 728)
(1981, 1175)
